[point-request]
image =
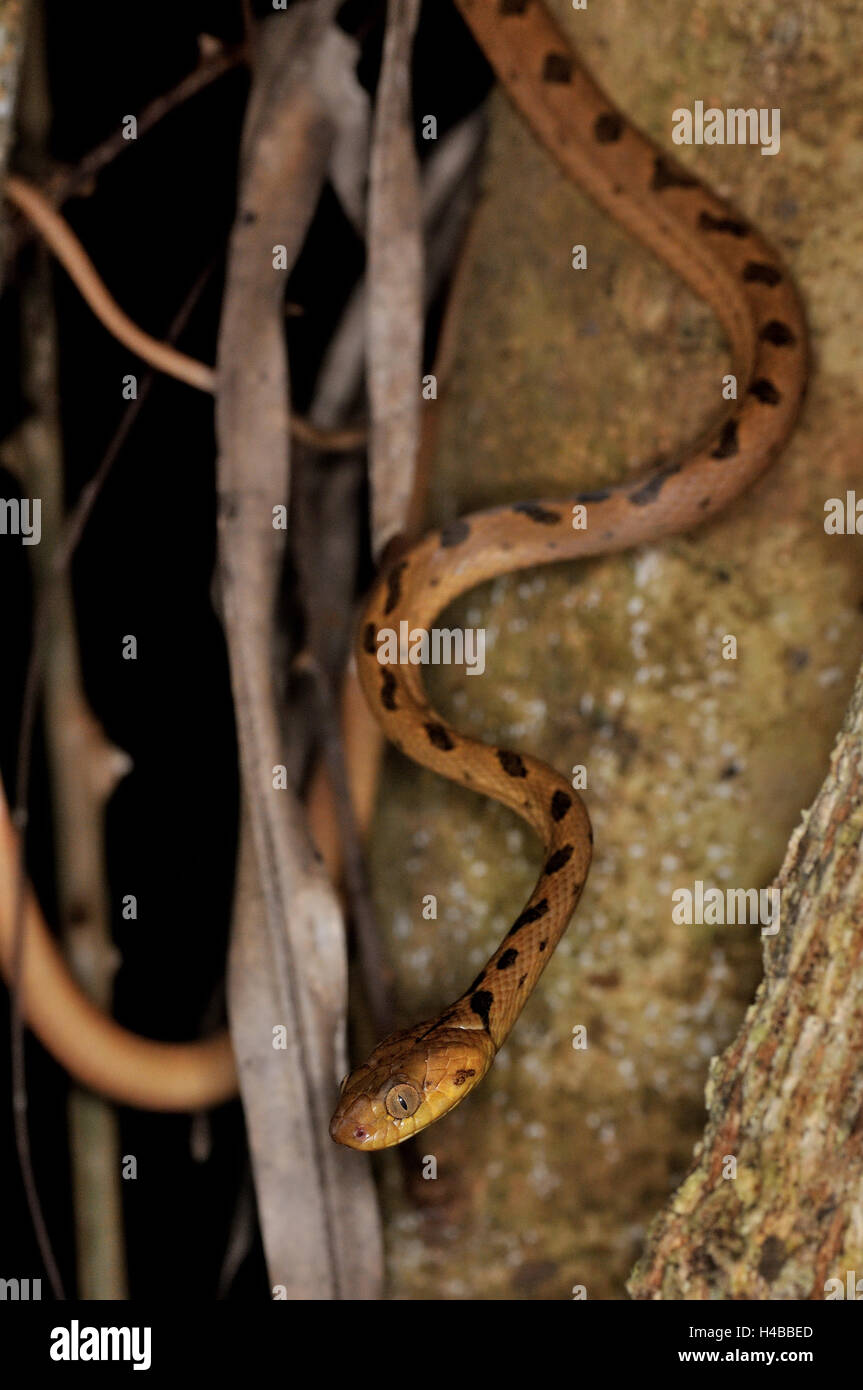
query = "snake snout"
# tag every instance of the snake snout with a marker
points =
(354, 1125)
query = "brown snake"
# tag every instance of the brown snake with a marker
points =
(414, 1077)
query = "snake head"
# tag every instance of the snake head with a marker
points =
(410, 1080)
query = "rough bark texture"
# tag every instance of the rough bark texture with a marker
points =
(786, 1099)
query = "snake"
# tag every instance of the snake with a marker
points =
(417, 1075)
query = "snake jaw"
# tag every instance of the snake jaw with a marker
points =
(439, 1063)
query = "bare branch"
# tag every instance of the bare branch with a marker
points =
(288, 965)
(157, 353)
(395, 284)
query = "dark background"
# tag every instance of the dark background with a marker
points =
(159, 214)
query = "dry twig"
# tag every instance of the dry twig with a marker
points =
(395, 285)
(288, 965)
(157, 353)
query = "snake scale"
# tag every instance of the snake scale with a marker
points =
(415, 1076)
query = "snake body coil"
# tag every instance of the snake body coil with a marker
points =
(417, 1075)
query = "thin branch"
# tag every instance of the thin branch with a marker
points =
(19, 1072)
(84, 768)
(70, 182)
(162, 355)
(13, 26)
(70, 537)
(378, 975)
(449, 184)
(288, 960)
(13, 16)
(395, 284)
(248, 22)
(342, 788)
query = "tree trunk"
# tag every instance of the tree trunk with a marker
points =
(772, 1207)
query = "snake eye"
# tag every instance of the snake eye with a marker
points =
(402, 1100)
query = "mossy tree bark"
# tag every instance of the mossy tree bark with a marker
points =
(785, 1101)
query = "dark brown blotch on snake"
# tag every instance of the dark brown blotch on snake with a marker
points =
(666, 174)
(543, 516)
(557, 68)
(558, 859)
(454, 533)
(439, 737)
(728, 445)
(530, 914)
(608, 127)
(760, 273)
(511, 763)
(388, 691)
(648, 492)
(462, 1075)
(777, 333)
(764, 391)
(729, 225)
(394, 585)
(481, 1003)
